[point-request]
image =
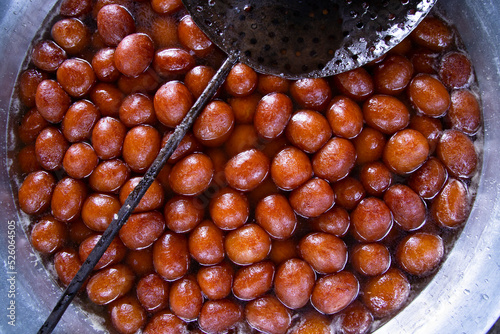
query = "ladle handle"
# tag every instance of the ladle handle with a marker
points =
(135, 196)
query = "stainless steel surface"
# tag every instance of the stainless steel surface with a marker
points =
(463, 297)
(297, 39)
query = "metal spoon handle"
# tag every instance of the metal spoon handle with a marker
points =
(135, 196)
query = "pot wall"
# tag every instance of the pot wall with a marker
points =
(462, 297)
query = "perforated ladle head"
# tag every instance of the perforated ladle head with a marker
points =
(307, 38)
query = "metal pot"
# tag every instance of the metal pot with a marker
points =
(463, 297)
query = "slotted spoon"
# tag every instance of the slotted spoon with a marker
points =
(291, 39)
